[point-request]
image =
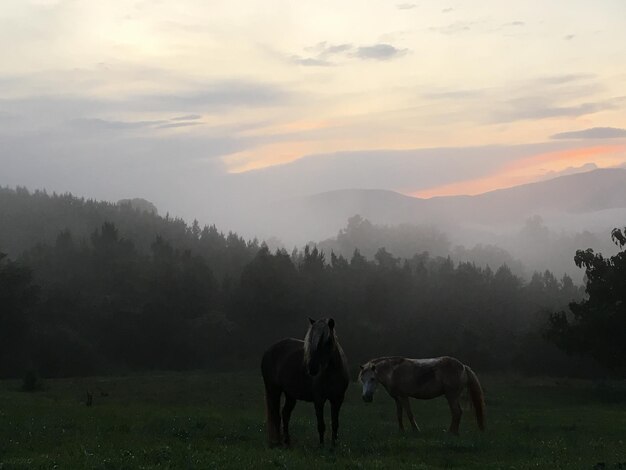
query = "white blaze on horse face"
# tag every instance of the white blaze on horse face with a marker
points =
(369, 382)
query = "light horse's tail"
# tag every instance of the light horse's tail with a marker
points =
(477, 397)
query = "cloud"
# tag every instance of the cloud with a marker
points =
(536, 108)
(170, 125)
(310, 61)
(454, 28)
(96, 124)
(453, 94)
(329, 50)
(216, 96)
(187, 117)
(515, 23)
(551, 96)
(592, 133)
(406, 6)
(569, 37)
(325, 52)
(563, 79)
(212, 97)
(379, 52)
(322, 53)
(447, 10)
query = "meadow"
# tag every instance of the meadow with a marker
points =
(216, 420)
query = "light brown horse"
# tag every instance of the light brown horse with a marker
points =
(313, 370)
(424, 379)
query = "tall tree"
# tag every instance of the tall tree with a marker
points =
(17, 296)
(597, 324)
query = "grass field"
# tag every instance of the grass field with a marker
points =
(216, 421)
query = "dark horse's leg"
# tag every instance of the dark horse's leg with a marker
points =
(335, 406)
(399, 413)
(319, 412)
(290, 404)
(272, 398)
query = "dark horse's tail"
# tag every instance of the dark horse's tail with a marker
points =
(477, 396)
(272, 407)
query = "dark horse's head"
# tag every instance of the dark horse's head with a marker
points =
(319, 345)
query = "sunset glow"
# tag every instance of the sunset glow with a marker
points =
(195, 97)
(531, 169)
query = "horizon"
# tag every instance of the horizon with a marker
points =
(193, 105)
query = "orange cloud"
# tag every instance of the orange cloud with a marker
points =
(531, 169)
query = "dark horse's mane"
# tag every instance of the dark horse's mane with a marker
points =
(315, 337)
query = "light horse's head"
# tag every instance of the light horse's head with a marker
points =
(320, 344)
(367, 377)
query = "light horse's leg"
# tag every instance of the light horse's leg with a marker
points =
(454, 397)
(407, 406)
(319, 413)
(399, 413)
(290, 404)
(335, 406)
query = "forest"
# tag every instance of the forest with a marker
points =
(90, 288)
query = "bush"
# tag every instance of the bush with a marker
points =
(31, 382)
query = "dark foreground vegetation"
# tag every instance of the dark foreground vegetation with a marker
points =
(198, 421)
(140, 292)
(107, 301)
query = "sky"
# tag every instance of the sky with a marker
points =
(207, 107)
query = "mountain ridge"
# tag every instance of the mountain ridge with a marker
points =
(322, 214)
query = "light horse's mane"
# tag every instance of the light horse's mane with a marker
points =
(391, 360)
(315, 336)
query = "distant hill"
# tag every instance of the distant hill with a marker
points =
(28, 218)
(564, 202)
(578, 193)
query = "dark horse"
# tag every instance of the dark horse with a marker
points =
(313, 370)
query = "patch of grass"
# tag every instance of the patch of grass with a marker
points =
(217, 421)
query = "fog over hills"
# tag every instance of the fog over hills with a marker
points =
(532, 227)
(540, 224)
(593, 201)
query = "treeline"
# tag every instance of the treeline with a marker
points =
(525, 249)
(30, 218)
(109, 301)
(405, 240)
(94, 306)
